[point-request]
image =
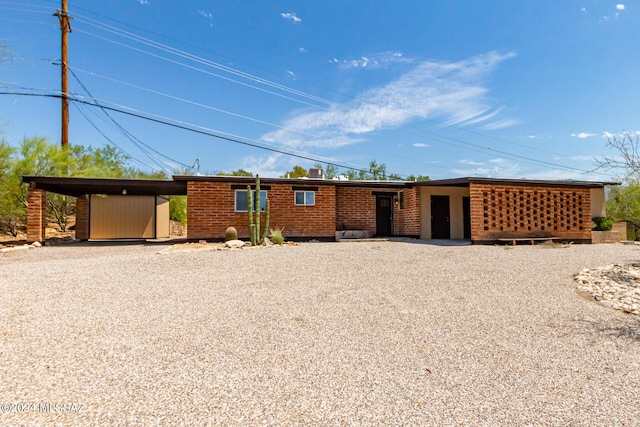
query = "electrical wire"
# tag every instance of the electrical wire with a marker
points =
(126, 133)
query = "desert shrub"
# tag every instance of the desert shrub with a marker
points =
(602, 223)
(231, 234)
(178, 209)
(276, 235)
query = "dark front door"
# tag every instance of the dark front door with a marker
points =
(440, 225)
(466, 216)
(384, 214)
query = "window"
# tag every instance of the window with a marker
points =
(241, 200)
(305, 198)
(400, 200)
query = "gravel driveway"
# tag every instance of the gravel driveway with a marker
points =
(358, 333)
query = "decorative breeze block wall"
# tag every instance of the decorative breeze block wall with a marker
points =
(512, 211)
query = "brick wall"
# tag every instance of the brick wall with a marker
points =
(355, 209)
(82, 218)
(512, 211)
(407, 220)
(36, 215)
(211, 209)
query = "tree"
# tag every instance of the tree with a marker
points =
(628, 158)
(38, 157)
(237, 172)
(329, 171)
(418, 178)
(296, 172)
(623, 204)
(11, 209)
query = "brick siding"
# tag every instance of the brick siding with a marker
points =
(82, 218)
(211, 209)
(355, 209)
(36, 215)
(519, 211)
(407, 220)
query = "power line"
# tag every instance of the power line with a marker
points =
(208, 132)
(198, 131)
(126, 133)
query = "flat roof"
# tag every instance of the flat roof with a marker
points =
(465, 181)
(78, 187)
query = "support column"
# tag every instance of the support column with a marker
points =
(82, 218)
(36, 215)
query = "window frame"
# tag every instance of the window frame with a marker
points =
(263, 200)
(305, 198)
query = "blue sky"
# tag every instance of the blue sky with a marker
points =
(525, 89)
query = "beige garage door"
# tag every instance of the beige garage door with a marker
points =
(122, 217)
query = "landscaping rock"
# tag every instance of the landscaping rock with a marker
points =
(233, 244)
(616, 286)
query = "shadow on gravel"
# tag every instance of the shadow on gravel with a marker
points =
(624, 329)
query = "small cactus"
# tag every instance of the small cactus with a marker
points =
(231, 234)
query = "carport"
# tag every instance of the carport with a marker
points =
(106, 208)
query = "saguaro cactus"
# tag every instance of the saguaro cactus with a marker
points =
(255, 235)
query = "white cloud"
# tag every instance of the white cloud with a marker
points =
(302, 50)
(143, 1)
(206, 14)
(291, 16)
(451, 91)
(371, 62)
(500, 168)
(291, 75)
(420, 145)
(583, 135)
(501, 124)
(469, 162)
(620, 6)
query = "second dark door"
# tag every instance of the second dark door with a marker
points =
(440, 223)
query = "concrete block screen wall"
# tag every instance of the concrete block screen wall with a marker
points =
(519, 211)
(211, 209)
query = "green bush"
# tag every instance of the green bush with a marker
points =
(602, 223)
(178, 209)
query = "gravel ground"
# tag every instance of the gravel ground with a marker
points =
(358, 333)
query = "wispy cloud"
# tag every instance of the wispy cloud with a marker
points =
(302, 50)
(498, 168)
(469, 162)
(583, 135)
(454, 92)
(620, 7)
(291, 75)
(291, 16)
(420, 145)
(207, 15)
(501, 124)
(143, 1)
(374, 61)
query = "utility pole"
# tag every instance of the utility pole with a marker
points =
(65, 28)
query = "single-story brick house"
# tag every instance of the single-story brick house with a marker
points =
(480, 209)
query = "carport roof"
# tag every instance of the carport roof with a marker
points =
(78, 187)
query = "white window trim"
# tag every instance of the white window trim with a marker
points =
(295, 201)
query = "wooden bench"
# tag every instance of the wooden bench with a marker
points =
(531, 240)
